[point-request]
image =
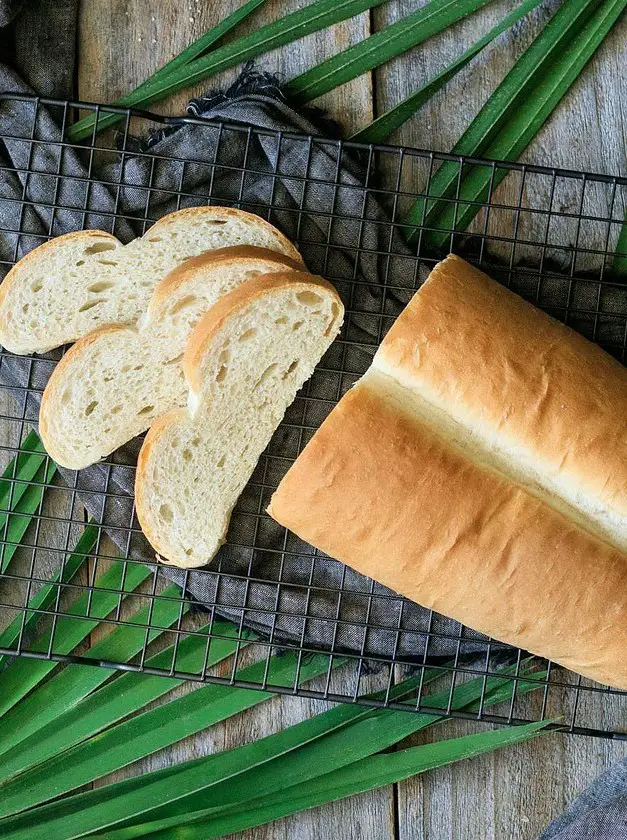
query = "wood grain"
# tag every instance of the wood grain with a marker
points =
(510, 794)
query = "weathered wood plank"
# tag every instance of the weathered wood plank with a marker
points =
(121, 43)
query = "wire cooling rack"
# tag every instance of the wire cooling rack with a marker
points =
(550, 234)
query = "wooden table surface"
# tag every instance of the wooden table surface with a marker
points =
(509, 794)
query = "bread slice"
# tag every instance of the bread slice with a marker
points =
(112, 383)
(69, 286)
(244, 363)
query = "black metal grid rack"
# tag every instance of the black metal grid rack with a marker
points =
(549, 234)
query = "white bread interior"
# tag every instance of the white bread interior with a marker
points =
(111, 384)
(73, 284)
(244, 363)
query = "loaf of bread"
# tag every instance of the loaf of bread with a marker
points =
(72, 284)
(112, 383)
(480, 469)
(244, 363)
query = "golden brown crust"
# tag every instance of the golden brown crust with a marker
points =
(487, 354)
(142, 505)
(44, 251)
(383, 493)
(57, 381)
(236, 254)
(213, 320)
(245, 256)
(225, 213)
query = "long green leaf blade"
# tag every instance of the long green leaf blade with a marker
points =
(510, 100)
(152, 731)
(619, 264)
(518, 132)
(316, 16)
(22, 513)
(19, 499)
(75, 682)
(25, 623)
(24, 674)
(297, 752)
(367, 734)
(127, 694)
(380, 129)
(23, 468)
(379, 48)
(195, 50)
(367, 774)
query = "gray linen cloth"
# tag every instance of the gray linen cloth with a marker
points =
(314, 583)
(311, 610)
(37, 49)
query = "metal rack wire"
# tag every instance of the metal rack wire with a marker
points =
(549, 234)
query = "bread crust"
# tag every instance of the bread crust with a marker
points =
(205, 332)
(225, 213)
(213, 320)
(486, 354)
(385, 494)
(395, 497)
(235, 254)
(43, 252)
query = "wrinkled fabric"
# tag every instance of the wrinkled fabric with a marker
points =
(599, 813)
(310, 609)
(290, 174)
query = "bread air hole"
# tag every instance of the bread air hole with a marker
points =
(216, 222)
(297, 325)
(248, 334)
(268, 372)
(187, 454)
(145, 410)
(281, 320)
(36, 286)
(154, 239)
(107, 262)
(221, 462)
(308, 298)
(166, 513)
(221, 375)
(175, 360)
(90, 305)
(101, 286)
(335, 311)
(183, 303)
(99, 248)
(90, 408)
(290, 369)
(250, 275)
(116, 409)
